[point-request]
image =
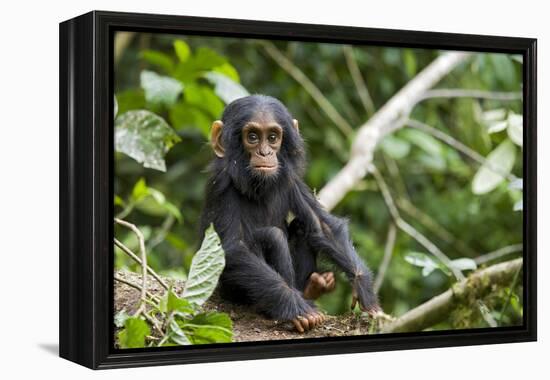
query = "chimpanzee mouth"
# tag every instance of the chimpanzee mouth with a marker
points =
(266, 168)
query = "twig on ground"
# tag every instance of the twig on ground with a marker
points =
(136, 286)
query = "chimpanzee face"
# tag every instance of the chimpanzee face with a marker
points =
(262, 138)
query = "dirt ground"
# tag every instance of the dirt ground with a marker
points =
(247, 325)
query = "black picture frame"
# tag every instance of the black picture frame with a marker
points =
(86, 188)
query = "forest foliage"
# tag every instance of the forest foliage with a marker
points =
(169, 90)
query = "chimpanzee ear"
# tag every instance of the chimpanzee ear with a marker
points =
(216, 137)
(296, 126)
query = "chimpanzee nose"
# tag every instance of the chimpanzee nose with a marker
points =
(263, 152)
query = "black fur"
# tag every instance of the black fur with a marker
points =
(268, 261)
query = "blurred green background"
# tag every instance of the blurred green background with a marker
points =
(184, 83)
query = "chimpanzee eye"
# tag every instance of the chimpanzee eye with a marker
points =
(272, 138)
(252, 137)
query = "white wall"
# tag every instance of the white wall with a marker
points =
(29, 68)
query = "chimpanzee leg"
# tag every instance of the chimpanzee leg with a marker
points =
(304, 257)
(274, 247)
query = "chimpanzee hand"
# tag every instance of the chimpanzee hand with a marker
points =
(363, 295)
(309, 321)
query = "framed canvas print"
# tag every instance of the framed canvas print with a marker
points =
(237, 189)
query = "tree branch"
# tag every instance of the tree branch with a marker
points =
(385, 121)
(451, 141)
(470, 93)
(410, 230)
(358, 80)
(507, 250)
(388, 251)
(477, 285)
(141, 240)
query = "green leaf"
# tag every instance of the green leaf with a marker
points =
(203, 97)
(182, 50)
(134, 333)
(118, 201)
(395, 147)
(206, 268)
(158, 59)
(464, 263)
(226, 88)
(410, 62)
(188, 116)
(516, 184)
(170, 302)
(207, 59)
(229, 71)
(211, 327)
(153, 202)
(518, 206)
(160, 89)
(424, 141)
(115, 107)
(196, 65)
(503, 68)
(497, 126)
(145, 137)
(515, 128)
(177, 335)
(140, 190)
(502, 159)
(427, 263)
(121, 317)
(497, 114)
(130, 100)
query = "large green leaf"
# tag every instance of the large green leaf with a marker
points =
(498, 164)
(226, 88)
(211, 327)
(160, 89)
(134, 333)
(206, 268)
(145, 137)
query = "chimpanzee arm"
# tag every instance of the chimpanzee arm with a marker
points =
(329, 235)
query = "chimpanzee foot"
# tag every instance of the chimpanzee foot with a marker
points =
(319, 284)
